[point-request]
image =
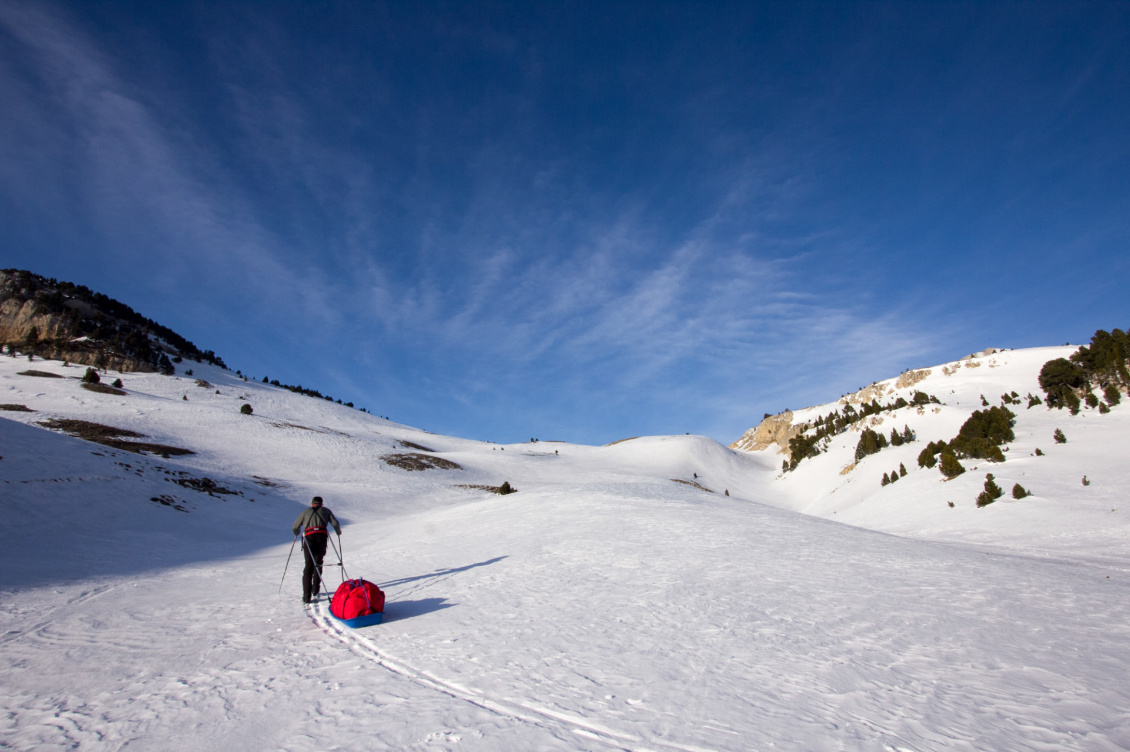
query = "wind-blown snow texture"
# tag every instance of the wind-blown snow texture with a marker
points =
(603, 606)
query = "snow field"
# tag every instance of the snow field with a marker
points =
(604, 606)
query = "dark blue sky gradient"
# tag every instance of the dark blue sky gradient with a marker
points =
(577, 220)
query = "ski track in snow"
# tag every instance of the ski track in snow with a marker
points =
(521, 710)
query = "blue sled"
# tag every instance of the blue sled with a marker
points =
(361, 621)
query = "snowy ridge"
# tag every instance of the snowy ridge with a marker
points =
(620, 600)
(1062, 515)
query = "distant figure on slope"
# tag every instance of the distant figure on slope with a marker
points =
(314, 524)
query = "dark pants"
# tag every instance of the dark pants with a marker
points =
(314, 548)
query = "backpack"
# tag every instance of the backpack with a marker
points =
(357, 599)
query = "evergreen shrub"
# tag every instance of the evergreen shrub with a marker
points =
(991, 493)
(981, 435)
(1059, 379)
(869, 443)
(949, 465)
(928, 457)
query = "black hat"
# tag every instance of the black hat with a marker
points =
(317, 502)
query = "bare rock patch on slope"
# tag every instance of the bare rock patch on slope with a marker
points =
(104, 389)
(415, 461)
(111, 436)
(40, 374)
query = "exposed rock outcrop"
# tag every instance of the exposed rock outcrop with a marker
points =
(866, 394)
(63, 321)
(910, 378)
(774, 429)
(779, 429)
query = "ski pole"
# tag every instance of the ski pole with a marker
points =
(340, 559)
(287, 564)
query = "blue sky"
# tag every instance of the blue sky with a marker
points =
(577, 221)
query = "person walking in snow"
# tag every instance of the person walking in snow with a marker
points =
(314, 523)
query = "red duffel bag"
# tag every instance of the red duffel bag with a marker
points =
(358, 603)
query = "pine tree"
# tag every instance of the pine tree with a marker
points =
(991, 493)
(928, 457)
(1059, 379)
(1059, 437)
(981, 434)
(1020, 492)
(868, 444)
(949, 465)
(1073, 402)
(902, 470)
(886, 480)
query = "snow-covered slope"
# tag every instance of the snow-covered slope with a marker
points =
(620, 600)
(1062, 515)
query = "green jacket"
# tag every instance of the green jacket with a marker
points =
(316, 517)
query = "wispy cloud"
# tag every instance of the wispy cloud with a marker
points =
(153, 189)
(701, 325)
(495, 271)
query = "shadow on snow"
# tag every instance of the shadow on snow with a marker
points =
(440, 573)
(399, 610)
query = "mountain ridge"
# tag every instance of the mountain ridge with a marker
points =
(64, 321)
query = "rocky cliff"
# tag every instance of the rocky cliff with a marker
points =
(63, 321)
(774, 429)
(778, 429)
